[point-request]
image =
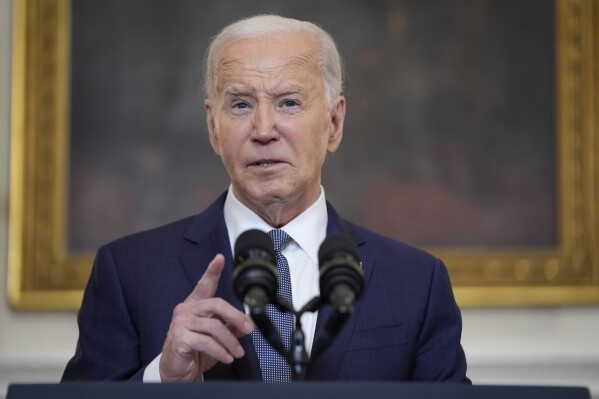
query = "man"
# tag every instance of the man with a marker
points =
(274, 110)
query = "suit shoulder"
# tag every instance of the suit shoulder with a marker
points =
(383, 247)
(152, 238)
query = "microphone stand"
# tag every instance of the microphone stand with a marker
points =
(297, 356)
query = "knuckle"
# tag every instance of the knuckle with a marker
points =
(217, 304)
(180, 310)
(220, 306)
(177, 335)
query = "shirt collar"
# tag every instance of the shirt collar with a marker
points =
(308, 229)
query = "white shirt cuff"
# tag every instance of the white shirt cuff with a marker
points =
(152, 372)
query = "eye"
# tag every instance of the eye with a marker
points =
(290, 103)
(240, 105)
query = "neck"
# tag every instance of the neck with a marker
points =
(277, 212)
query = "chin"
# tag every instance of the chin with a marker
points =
(271, 193)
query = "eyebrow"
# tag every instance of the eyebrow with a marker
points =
(237, 92)
(234, 91)
(288, 91)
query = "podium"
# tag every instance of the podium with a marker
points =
(299, 390)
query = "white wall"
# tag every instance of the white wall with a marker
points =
(506, 346)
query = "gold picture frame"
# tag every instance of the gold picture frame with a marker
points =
(43, 274)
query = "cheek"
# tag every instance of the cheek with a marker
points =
(230, 135)
(313, 133)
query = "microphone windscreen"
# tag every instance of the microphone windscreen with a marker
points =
(335, 244)
(251, 240)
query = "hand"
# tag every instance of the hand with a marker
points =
(203, 331)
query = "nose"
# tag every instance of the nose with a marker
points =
(264, 124)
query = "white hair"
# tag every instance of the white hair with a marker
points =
(260, 25)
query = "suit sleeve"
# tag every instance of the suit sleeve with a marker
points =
(108, 343)
(439, 354)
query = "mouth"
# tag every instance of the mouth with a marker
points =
(264, 163)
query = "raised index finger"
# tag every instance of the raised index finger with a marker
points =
(206, 287)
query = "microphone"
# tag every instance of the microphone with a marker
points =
(341, 283)
(254, 271)
(255, 281)
(341, 276)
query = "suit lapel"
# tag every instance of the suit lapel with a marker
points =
(206, 237)
(327, 364)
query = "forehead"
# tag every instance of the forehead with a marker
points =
(274, 59)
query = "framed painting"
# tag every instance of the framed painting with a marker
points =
(472, 131)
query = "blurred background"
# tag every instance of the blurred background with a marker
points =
(429, 84)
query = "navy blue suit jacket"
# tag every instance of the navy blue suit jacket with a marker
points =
(407, 325)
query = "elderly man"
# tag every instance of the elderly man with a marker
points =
(160, 306)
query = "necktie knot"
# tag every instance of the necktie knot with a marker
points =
(280, 239)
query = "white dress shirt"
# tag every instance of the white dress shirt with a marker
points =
(307, 230)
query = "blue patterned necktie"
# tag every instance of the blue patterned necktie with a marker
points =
(274, 366)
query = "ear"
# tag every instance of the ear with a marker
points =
(337, 120)
(212, 134)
